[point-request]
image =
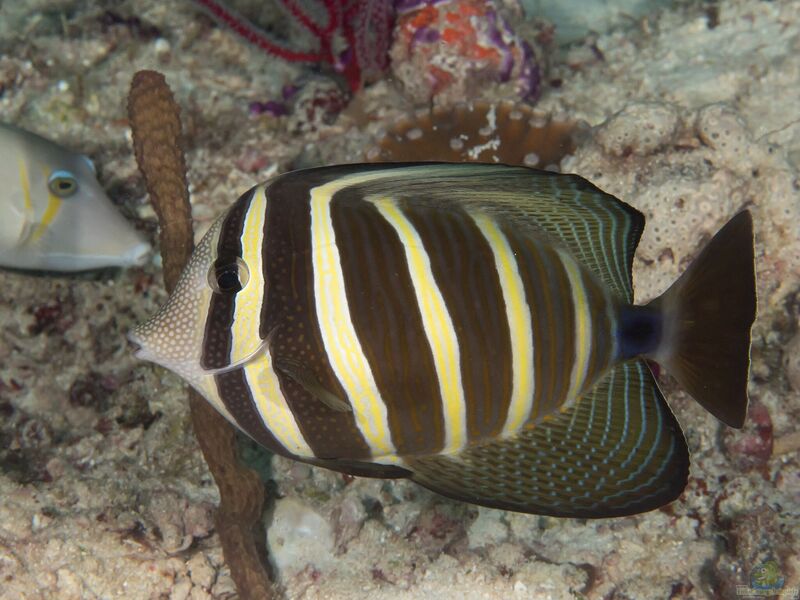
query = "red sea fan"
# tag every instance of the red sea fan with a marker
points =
(365, 26)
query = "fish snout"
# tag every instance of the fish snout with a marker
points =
(138, 254)
(136, 344)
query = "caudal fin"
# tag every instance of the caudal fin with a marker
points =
(708, 313)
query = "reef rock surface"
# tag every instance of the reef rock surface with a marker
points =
(103, 491)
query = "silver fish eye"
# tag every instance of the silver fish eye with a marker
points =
(229, 277)
(62, 184)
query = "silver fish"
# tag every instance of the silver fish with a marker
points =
(56, 217)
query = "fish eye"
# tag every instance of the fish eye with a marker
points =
(229, 277)
(62, 184)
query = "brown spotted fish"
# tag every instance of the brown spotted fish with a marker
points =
(469, 326)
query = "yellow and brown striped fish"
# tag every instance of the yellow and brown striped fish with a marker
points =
(470, 326)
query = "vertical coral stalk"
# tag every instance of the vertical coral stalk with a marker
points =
(156, 128)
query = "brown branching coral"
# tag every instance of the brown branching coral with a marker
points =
(155, 123)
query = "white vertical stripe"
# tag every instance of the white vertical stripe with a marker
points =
(583, 326)
(438, 326)
(206, 385)
(203, 382)
(259, 375)
(245, 338)
(518, 314)
(339, 337)
(272, 406)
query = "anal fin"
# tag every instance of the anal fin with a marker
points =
(617, 451)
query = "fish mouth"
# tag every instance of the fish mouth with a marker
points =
(138, 255)
(141, 352)
(136, 344)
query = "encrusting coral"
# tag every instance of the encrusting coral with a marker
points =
(449, 50)
(506, 132)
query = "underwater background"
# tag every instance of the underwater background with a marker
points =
(687, 110)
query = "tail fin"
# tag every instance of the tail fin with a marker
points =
(708, 313)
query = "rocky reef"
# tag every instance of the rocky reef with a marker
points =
(690, 115)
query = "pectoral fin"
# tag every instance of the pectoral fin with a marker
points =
(309, 382)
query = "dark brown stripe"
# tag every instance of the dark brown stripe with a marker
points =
(464, 268)
(552, 318)
(289, 317)
(238, 399)
(388, 323)
(218, 333)
(563, 328)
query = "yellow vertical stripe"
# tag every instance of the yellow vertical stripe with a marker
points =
(208, 389)
(25, 182)
(339, 337)
(519, 323)
(247, 311)
(204, 382)
(438, 325)
(53, 205)
(583, 327)
(272, 406)
(259, 374)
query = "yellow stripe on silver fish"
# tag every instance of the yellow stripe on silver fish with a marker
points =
(50, 212)
(519, 319)
(340, 340)
(438, 326)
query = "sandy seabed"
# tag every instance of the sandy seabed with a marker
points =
(103, 491)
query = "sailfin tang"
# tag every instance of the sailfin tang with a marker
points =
(617, 451)
(708, 313)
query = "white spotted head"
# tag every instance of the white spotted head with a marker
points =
(173, 337)
(210, 324)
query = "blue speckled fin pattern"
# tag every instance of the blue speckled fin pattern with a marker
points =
(599, 230)
(617, 451)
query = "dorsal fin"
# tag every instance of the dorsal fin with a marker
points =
(599, 230)
(617, 451)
